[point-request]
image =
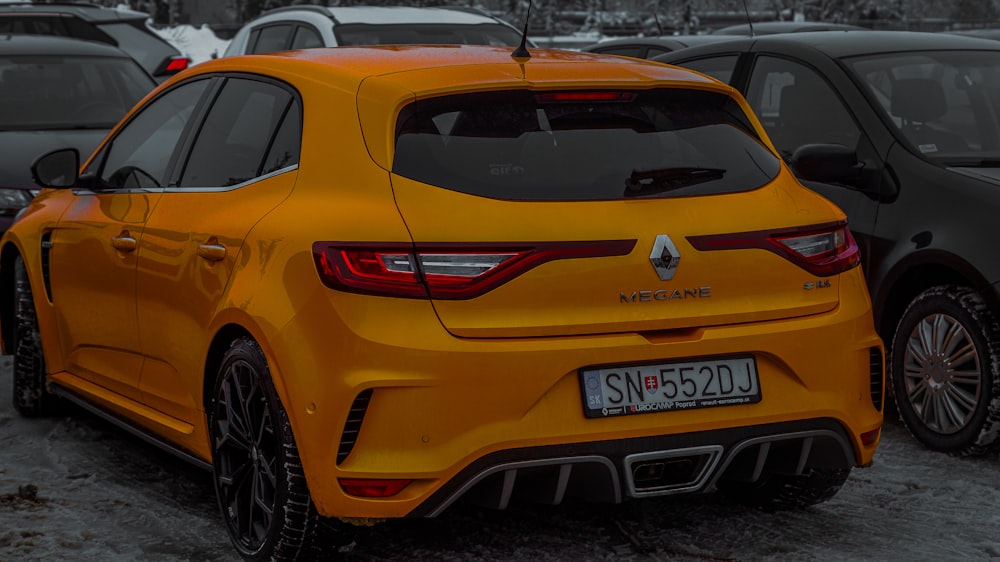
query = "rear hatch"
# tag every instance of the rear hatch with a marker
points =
(597, 211)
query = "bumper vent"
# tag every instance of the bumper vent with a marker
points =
(353, 425)
(876, 367)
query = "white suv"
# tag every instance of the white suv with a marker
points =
(303, 27)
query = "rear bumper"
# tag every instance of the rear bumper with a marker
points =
(454, 414)
(613, 471)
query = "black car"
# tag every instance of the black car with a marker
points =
(126, 29)
(649, 47)
(902, 131)
(56, 93)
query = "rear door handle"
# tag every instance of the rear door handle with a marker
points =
(124, 242)
(212, 250)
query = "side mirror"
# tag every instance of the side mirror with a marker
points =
(826, 163)
(57, 169)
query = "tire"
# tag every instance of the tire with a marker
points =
(787, 491)
(258, 477)
(31, 398)
(944, 365)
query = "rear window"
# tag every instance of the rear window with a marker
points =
(598, 145)
(426, 34)
(143, 46)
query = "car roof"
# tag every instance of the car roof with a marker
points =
(842, 44)
(769, 27)
(388, 14)
(664, 40)
(55, 45)
(88, 12)
(476, 62)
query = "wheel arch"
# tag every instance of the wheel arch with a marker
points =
(914, 275)
(224, 337)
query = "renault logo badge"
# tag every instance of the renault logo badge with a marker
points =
(664, 257)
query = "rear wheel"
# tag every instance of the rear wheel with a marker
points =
(30, 396)
(259, 481)
(788, 491)
(944, 369)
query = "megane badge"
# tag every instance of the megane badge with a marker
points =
(664, 257)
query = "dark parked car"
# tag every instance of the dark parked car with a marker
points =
(772, 27)
(902, 131)
(57, 92)
(126, 29)
(649, 47)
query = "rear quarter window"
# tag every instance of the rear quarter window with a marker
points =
(565, 146)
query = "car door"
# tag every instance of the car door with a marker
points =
(798, 105)
(93, 251)
(241, 163)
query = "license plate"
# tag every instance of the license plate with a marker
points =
(680, 385)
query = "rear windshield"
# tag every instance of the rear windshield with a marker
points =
(595, 145)
(349, 34)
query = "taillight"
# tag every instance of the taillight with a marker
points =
(443, 271)
(177, 64)
(824, 250)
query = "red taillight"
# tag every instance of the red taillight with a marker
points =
(443, 271)
(177, 64)
(824, 250)
(373, 488)
(555, 97)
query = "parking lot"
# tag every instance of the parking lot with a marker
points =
(103, 494)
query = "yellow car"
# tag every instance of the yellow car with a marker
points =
(369, 283)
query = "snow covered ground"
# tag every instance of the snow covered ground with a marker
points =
(76, 488)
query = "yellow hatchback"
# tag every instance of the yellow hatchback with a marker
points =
(369, 283)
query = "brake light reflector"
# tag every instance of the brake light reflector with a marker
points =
(824, 249)
(177, 64)
(373, 488)
(443, 271)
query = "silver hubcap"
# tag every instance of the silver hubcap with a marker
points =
(942, 374)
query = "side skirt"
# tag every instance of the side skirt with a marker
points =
(123, 423)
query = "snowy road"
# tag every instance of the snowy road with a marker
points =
(104, 495)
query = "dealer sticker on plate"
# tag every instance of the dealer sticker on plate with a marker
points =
(682, 385)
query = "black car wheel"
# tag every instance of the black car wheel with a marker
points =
(944, 369)
(259, 481)
(30, 397)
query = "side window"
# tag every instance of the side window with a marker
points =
(284, 150)
(653, 51)
(797, 106)
(625, 51)
(720, 68)
(272, 38)
(306, 38)
(139, 155)
(234, 139)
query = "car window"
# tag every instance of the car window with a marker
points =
(567, 146)
(654, 51)
(141, 45)
(285, 149)
(624, 51)
(139, 154)
(271, 38)
(944, 103)
(64, 26)
(720, 68)
(798, 106)
(68, 92)
(427, 34)
(237, 132)
(306, 38)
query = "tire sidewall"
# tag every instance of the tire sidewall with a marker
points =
(249, 352)
(969, 309)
